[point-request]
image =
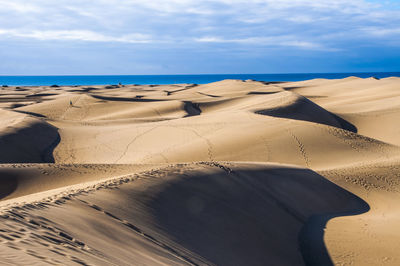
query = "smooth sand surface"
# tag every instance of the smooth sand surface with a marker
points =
(227, 173)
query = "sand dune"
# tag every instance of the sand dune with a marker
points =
(227, 173)
(24, 138)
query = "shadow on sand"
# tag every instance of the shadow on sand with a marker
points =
(273, 216)
(31, 143)
(125, 99)
(305, 110)
(8, 183)
(253, 214)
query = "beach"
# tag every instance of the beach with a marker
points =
(235, 172)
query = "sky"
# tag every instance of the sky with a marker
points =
(136, 37)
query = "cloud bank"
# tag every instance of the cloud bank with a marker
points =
(332, 26)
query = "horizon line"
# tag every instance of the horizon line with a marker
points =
(201, 74)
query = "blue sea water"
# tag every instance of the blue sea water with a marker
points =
(173, 79)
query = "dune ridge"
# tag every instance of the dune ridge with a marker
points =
(231, 172)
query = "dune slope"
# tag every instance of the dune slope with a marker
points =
(195, 214)
(227, 173)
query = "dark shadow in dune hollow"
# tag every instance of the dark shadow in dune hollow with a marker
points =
(40, 95)
(84, 90)
(8, 183)
(345, 124)
(306, 110)
(292, 88)
(267, 217)
(123, 99)
(192, 109)
(34, 143)
(208, 95)
(179, 90)
(262, 92)
(30, 113)
(317, 254)
(272, 82)
(47, 154)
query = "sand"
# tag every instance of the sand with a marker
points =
(227, 173)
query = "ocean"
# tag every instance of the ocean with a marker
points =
(173, 79)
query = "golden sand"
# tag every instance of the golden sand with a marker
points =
(226, 173)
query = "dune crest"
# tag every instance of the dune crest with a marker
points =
(231, 172)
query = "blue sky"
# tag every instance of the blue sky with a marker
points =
(46, 37)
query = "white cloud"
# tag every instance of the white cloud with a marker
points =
(272, 41)
(80, 35)
(382, 31)
(238, 22)
(19, 7)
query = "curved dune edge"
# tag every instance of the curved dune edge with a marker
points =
(162, 216)
(297, 173)
(23, 180)
(26, 139)
(186, 214)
